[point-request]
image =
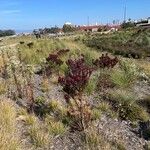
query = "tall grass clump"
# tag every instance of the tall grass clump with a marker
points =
(54, 127)
(39, 137)
(94, 141)
(125, 75)
(9, 137)
(92, 84)
(125, 104)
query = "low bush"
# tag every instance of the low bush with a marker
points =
(54, 127)
(39, 137)
(125, 75)
(125, 104)
(105, 61)
(74, 84)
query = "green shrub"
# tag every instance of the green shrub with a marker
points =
(94, 141)
(96, 114)
(126, 106)
(92, 84)
(54, 127)
(126, 75)
(39, 137)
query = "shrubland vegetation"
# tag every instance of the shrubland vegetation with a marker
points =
(60, 90)
(6, 33)
(131, 43)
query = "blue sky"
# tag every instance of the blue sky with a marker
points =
(30, 14)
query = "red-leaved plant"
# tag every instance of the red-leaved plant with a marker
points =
(105, 61)
(74, 83)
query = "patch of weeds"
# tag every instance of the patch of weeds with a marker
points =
(103, 106)
(2, 88)
(54, 127)
(94, 141)
(39, 137)
(125, 104)
(92, 84)
(40, 107)
(104, 81)
(126, 75)
(30, 119)
(45, 85)
(54, 105)
(119, 146)
(95, 114)
(9, 136)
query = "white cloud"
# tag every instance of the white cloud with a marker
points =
(15, 11)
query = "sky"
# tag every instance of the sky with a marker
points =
(34, 14)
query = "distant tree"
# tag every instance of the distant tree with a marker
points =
(53, 30)
(68, 28)
(103, 28)
(7, 33)
(128, 24)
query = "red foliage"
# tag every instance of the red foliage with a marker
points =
(105, 61)
(77, 77)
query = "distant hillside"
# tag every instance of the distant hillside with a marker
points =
(133, 42)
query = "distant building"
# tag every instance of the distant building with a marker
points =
(143, 23)
(89, 28)
(95, 28)
(68, 23)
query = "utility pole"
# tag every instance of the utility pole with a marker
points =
(125, 10)
(88, 21)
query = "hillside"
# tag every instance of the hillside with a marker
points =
(89, 92)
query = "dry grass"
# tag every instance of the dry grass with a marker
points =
(9, 138)
(39, 136)
(2, 87)
(41, 132)
(36, 130)
(94, 141)
(54, 127)
(45, 86)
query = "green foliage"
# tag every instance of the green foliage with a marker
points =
(63, 69)
(68, 28)
(38, 136)
(6, 33)
(104, 107)
(125, 104)
(126, 25)
(53, 30)
(54, 127)
(133, 43)
(92, 84)
(94, 141)
(96, 114)
(126, 75)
